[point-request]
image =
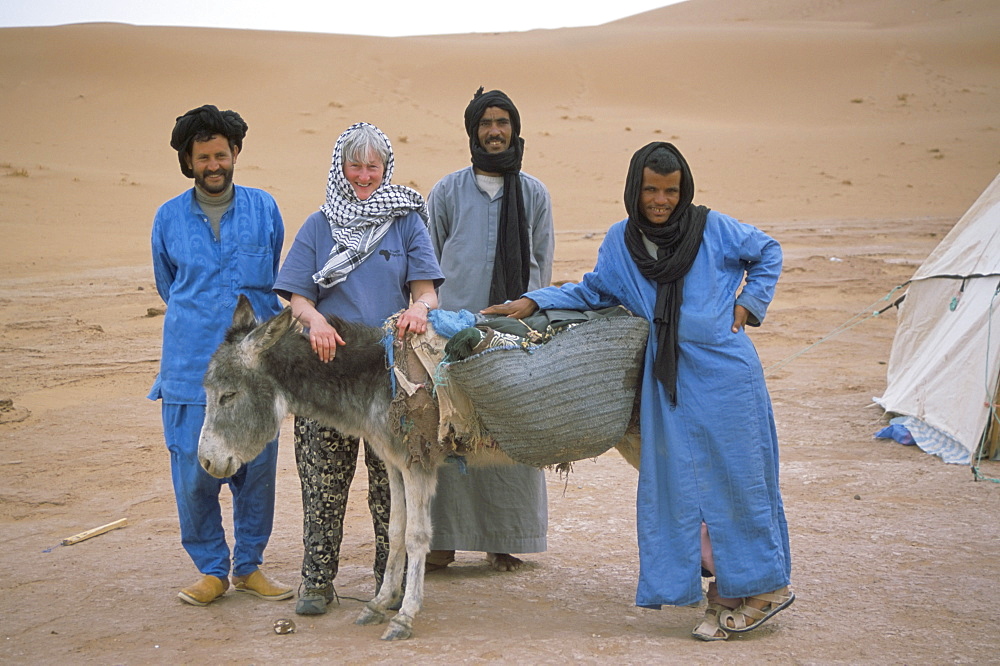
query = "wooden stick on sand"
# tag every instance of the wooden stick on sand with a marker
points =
(77, 538)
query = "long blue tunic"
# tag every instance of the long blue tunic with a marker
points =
(713, 456)
(200, 276)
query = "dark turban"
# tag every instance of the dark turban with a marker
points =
(202, 124)
(482, 101)
(677, 242)
(512, 260)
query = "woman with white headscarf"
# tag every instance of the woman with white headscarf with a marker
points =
(363, 256)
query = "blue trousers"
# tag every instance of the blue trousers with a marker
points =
(197, 494)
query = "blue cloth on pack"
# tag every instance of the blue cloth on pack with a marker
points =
(447, 323)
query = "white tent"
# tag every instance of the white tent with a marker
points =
(943, 367)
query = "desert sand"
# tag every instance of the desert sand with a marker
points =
(856, 132)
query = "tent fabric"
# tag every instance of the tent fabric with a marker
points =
(943, 367)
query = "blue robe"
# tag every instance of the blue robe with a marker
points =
(199, 276)
(713, 456)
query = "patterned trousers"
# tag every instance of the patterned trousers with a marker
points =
(326, 460)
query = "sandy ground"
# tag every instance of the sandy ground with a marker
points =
(858, 178)
(891, 547)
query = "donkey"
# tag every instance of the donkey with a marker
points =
(263, 372)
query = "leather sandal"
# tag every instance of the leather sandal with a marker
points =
(709, 628)
(735, 621)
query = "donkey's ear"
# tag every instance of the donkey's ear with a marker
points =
(243, 316)
(265, 335)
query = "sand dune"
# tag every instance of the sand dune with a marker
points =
(787, 110)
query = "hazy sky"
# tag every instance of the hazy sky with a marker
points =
(388, 18)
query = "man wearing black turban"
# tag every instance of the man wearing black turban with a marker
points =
(211, 243)
(491, 224)
(709, 502)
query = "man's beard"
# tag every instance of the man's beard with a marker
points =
(214, 189)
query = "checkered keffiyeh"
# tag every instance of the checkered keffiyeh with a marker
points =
(359, 226)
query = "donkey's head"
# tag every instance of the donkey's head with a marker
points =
(244, 405)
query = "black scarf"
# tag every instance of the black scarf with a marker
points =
(677, 242)
(512, 259)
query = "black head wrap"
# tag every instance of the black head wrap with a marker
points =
(511, 263)
(202, 124)
(677, 242)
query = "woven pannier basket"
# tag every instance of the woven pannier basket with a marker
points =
(569, 399)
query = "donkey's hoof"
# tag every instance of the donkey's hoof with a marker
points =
(370, 615)
(400, 628)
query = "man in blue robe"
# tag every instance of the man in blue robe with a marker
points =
(708, 501)
(210, 244)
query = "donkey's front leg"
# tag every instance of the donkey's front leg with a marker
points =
(419, 487)
(392, 581)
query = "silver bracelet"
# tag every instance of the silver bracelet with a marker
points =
(425, 304)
